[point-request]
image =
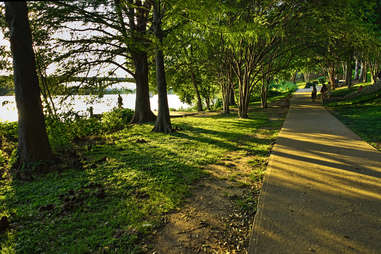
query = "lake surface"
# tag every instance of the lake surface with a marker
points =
(80, 104)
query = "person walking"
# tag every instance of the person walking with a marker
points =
(314, 92)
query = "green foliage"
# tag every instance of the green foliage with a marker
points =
(62, 132)
(322, 80)
(6, 85)
(116, 119)
(284, 87)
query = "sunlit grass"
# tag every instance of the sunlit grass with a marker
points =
(128, 180)
(363, 115)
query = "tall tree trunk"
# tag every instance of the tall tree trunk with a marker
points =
(163, 121)
(207, 102)
(307, 77)
(348, 78)
(138, 26)
(143, 111)
(344, 67)
(264, 93)
(373, 72)
(361, 64)
(232, 98)
(243, 98)
(225, 99)
(195, 85)
(33, 143)
(357, 68)
(364, 77)
(226, 91)
(331, 77)
(294, 77)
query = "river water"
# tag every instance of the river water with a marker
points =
(80, 104)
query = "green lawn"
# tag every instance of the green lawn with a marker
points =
(361, 114)
(127, 181)
(342, 91)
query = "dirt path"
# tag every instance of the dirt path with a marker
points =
(218, 216)
(322, 189)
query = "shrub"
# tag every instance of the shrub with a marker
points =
(116, 119)
(321, 80)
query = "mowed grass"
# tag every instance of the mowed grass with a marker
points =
(116, 200)
(342, 91)
(361, 114)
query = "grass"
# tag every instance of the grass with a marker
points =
(342, 91)
(361, 114)
(128, 180)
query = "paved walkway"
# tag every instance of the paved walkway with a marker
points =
(322, 189)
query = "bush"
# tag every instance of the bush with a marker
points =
(116, 119)
(321, 80)
(8, 142)
(284, 87)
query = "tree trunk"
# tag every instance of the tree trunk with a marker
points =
(243, 98)
(232, 99)
(143, 111)
(348, 78)
(226, 97)
(33, 143)
(138, 25)
(357, 68)
(307, 77)
(264, 93)
(373, 72)
(344, 67)
(163, 121)
(360, 71)
(331, 77)
(207, 102)
(195, 85)
(364, 77)
(294, 77)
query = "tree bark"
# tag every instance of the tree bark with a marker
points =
(225, 99)
(207, 102)
(361, 64)
(364, 77)
(306, 77)
(357, 69)
(137, 27)
(294, 77)
(33, 143)
(331, 77)
(348, 78)
(232, 99)
(163, 121)
(143, 113)
(195, 85)
(264, 93)
(243, 98)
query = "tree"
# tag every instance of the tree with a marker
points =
(33, 144)
(163, 121)
(92, 36)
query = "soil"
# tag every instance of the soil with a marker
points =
(218, 216)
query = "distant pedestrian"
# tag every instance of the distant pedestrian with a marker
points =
(314, 92)
(120, 101)
(323, 92)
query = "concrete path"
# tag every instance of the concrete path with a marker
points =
(322, 189)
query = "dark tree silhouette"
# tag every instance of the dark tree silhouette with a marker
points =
(33, 144)
(163, 121)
